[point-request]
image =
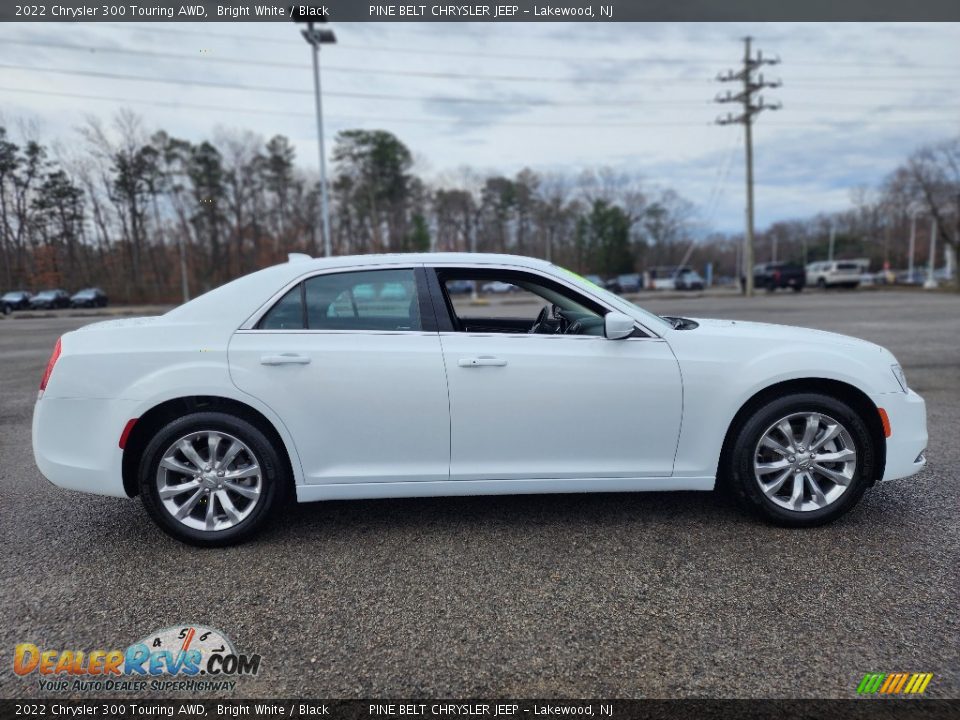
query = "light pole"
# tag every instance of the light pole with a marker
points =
(931, 283)
(316, 37)
(913, 243)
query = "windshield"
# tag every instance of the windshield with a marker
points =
(85, 293)
(12, 296)
(617, 301)
(47, 294)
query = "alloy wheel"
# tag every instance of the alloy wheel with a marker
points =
(805, 461)
(209, 480)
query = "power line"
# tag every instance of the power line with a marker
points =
(487, 55)
(610, 78)
(443, 120)
(519, 102)
(355, 95)
(255, 111)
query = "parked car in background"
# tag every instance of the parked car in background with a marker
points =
(688, 279)
(460, 287)
(498, 287)
(675, 277)
(914, 277)
(774, 275)
(833, 273)
(16, 300)
(630, 282)
(50, 299)
(89, 297)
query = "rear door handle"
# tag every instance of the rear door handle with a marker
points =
(284, 359)
(481, 362)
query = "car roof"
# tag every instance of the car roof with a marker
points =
(435, 258)
(247, 293)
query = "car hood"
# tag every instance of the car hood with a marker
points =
(781, 333)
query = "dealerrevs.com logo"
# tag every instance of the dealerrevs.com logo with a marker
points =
(181, 658)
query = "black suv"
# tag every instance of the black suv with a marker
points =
(773, 275)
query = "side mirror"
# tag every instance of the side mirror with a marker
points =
(617, 325)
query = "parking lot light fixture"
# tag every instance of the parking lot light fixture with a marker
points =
(316, 37)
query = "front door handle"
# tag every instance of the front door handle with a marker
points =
(481, 362)
(284, 359)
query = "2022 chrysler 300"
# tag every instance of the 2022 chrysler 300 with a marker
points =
(363, 377)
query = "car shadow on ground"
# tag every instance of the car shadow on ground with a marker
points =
(658, 513)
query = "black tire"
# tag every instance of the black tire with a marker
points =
(275, 479)
(798, 288)
(822, 284)
(740, 470)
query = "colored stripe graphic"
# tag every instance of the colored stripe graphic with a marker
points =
(894, 683)
(871, 683)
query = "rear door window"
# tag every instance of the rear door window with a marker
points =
(366, 300)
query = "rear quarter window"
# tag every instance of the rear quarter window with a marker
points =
(287, 314)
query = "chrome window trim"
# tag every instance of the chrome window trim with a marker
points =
(553, 278)
(304, 331)
(250, 324)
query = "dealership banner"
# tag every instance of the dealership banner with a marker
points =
(421, 709)
(511, 11)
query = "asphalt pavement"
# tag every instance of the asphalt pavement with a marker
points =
(618, 595)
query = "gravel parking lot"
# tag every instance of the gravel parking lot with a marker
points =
(646, 595)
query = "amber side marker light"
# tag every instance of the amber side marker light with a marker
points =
(885, 421)
(54, 356)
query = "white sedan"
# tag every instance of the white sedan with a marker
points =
(362, 377)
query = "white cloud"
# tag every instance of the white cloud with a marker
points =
(857, 97)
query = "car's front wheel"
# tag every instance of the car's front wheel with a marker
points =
(802, 460)
(212, 479)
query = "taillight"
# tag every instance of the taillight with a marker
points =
(50, 363)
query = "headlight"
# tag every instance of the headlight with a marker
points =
(901, 378)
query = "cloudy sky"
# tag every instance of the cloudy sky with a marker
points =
(554, 96)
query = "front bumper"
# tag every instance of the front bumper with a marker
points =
(76, 443)
(908, 433)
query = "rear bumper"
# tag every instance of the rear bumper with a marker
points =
(76, 443)
(908, 433)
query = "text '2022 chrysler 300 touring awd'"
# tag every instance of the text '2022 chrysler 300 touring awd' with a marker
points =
(364, 377)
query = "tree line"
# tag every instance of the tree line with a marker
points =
(146, 215)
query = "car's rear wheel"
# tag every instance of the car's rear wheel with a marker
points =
(802, 460)
(211, 479)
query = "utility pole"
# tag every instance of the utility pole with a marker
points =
(833, 239)
(753, 83)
